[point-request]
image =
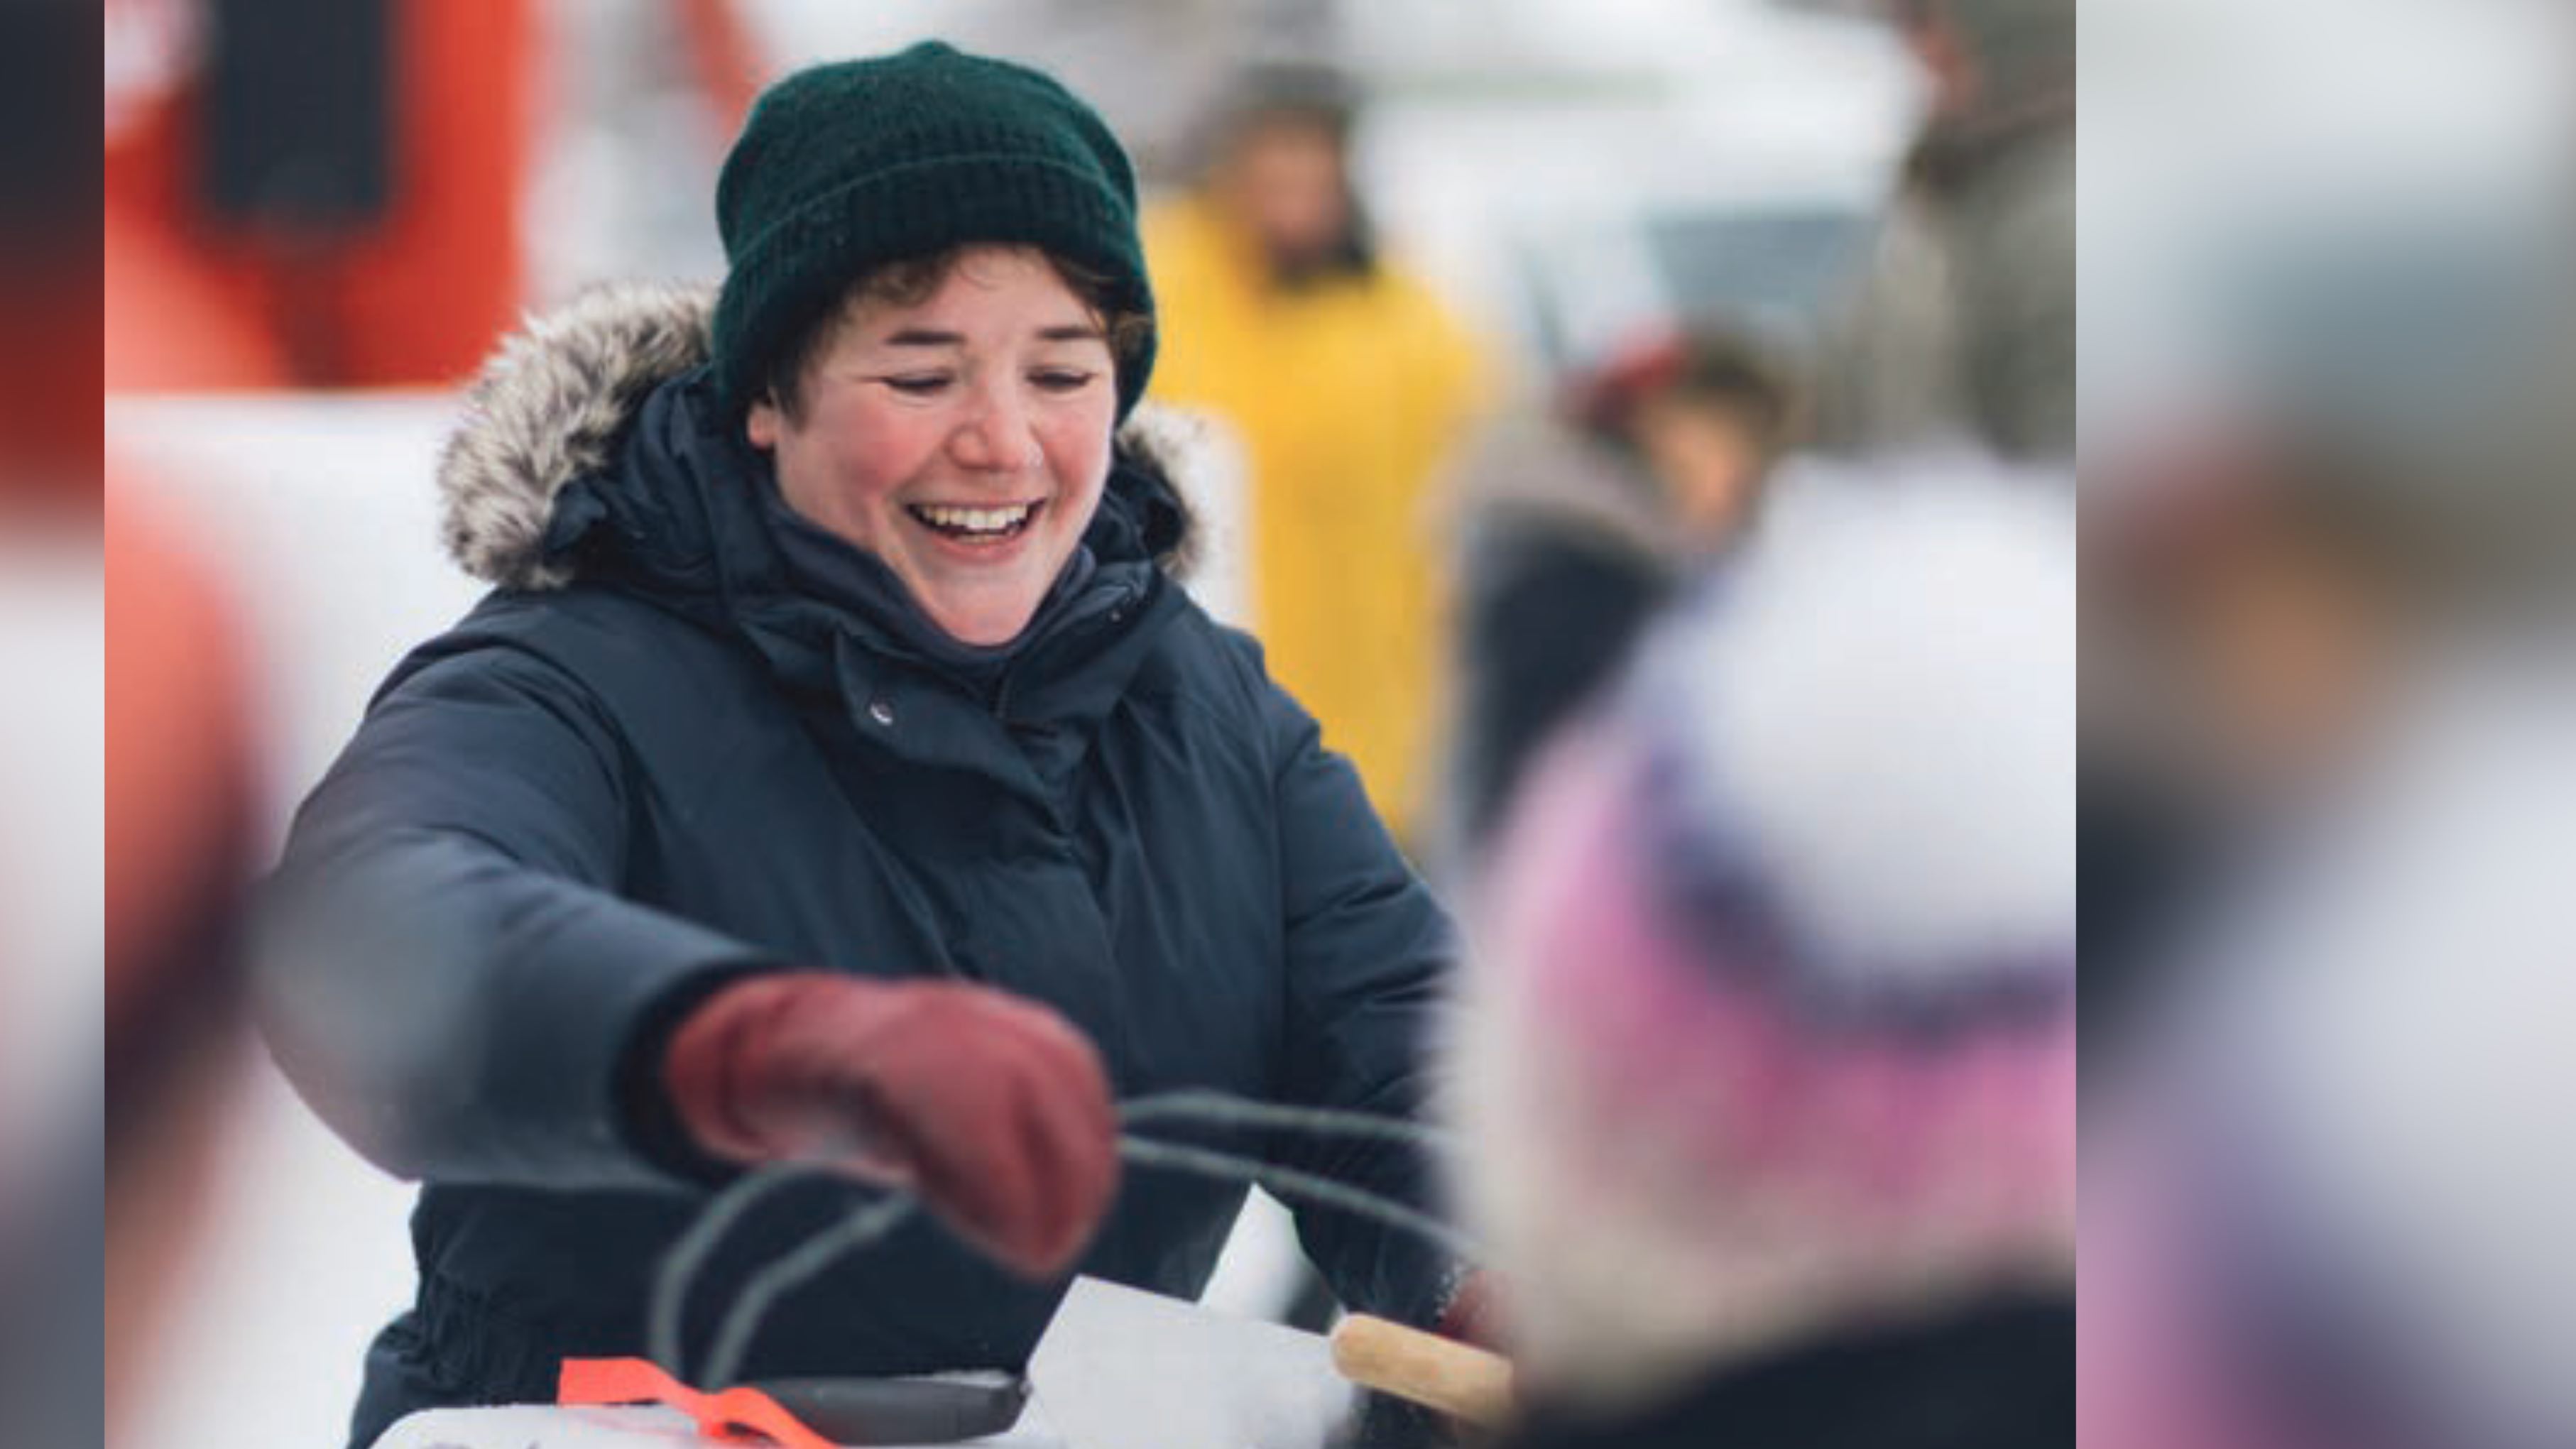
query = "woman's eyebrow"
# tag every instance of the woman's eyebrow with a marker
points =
(931, 337)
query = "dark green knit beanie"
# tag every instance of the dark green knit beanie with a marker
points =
(846, 167)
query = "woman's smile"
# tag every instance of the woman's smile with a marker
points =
(982, 527)
(964, 439)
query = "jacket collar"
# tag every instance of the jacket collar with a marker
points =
(567, 395)
(596, 450)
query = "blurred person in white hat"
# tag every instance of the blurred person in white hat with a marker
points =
(1767, 1056)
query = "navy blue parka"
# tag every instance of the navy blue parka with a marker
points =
(650, 761)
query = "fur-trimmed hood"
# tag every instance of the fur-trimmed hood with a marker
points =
(1534, 473)
(556, 401)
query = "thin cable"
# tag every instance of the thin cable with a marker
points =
(1287, 1183)
(878, 1220)
(689, 1253)
(1200, 1104)
(866, 1226)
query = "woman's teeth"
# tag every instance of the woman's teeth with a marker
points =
(974, 522)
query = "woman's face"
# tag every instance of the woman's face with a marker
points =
(964, 440)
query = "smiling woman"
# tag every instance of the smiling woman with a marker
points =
(836, 775)
(963, 439)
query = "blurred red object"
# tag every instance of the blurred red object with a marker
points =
(411, 295)
(178, 806)
(1605, 396)
(176, 751)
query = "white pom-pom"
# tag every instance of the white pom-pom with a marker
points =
(1884, 706)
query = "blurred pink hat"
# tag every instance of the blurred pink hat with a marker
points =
(1771, 1027)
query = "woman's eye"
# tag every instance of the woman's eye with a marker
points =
(1061, 380)
(923, 384)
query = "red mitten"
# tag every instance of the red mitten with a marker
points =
(995, 1111)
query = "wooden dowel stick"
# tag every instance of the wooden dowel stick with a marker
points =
(1440, 1374)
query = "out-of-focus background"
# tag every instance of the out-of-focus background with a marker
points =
(321, 215)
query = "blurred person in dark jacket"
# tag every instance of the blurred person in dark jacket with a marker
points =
(2328, 615)
(1963, 328)
(1767, 1055)
(1575, 531)
(836, 774)
(2246, 606)
(49, 265)
(2330, 1177)
(52, 1238)
(2327, 1204)
(2273, 563)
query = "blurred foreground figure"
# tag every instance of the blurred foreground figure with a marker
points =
(2334, 727)
(178, 778)
(1964, 327)
(2250, 611)
(2330, 487)
(2328, 453)
(1349, 383)
(49, 272)
(51, 629)
(1768, 1073)
(1576, 532)
(2333, 1210)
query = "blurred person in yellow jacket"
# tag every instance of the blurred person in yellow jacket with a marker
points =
(1348, 382)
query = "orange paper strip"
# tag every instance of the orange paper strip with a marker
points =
(598, 1381)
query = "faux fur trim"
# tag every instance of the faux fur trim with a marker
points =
(1182, 446)
(1887, 705)
(1540, 470)
(549, 405)
(546, 410)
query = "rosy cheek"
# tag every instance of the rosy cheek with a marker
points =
(876, 456)
(1078, 454)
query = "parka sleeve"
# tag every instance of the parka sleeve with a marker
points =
(447, 973)
(1368, 960)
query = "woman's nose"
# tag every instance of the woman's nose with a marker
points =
(995, 437)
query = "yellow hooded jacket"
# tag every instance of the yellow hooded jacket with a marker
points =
(1348, 394)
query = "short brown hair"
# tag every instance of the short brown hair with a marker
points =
(1713, 366)
(913, 281)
